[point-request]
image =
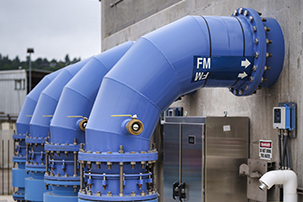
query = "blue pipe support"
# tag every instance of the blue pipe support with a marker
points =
(61, 192)
(241, 52)
(39, 131)
(66, 128)
(19, 174)
(34, 186)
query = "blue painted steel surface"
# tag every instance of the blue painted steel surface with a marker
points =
(153, 200)
(19, 174)
(146, 198)
(47, 103)
(159, 68)
(119, 157)
(267, 43)
(60, 194)
(35, 187)
(39, 124)
(66, 136)
(82, 91)
(276, 61)
(30, 103)
(39, 129)
(22, 123)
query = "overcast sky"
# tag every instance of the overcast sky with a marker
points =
(53, 28)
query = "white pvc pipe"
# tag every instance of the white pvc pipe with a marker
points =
(287, 178)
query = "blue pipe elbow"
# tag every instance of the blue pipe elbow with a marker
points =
(188, 54)
(81, 91)
(39, 129)
(183, 56)
(23, 121)
(68, 123)
(39, 125)
(30, 102)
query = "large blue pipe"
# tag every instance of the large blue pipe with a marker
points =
(39, 131)
(66, 128)
(29, 105)
(241, 52)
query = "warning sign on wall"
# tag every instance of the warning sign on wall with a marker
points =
(265, 149)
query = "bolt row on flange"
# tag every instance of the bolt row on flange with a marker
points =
(18, 172)
(268, 47)
(114, 176)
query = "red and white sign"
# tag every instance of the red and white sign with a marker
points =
(265, 144)
(265, 149)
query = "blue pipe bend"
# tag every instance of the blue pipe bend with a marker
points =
(162, 66)
(23, 121)
(39, 129)
(174, 60)
(75, 103)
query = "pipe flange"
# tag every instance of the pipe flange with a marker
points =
(61, 147)
(116, 157)
(134, 126)
(258, 30)
(19, 136)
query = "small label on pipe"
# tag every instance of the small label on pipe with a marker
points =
(221, 68)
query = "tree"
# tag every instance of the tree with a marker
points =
(39, 63)
(67, 60)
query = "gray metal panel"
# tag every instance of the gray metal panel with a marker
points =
(187, 119)
(170, 159)
(12, 96)
(253, 191)
(192, 161)
(226, 149)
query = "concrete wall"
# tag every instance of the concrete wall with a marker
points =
(258, 107)
(120, 14)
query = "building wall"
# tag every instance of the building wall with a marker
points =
(12, 91)
(6, 144)
(121, 14)
(213, 102)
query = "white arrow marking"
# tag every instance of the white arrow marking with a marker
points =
(245, 63)
(242, 75)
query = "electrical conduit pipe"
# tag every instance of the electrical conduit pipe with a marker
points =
(287, 178)
(68, 125)
(39, 131)
(243, 53)
(25, 115)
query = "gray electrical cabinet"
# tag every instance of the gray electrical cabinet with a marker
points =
(201, 158)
